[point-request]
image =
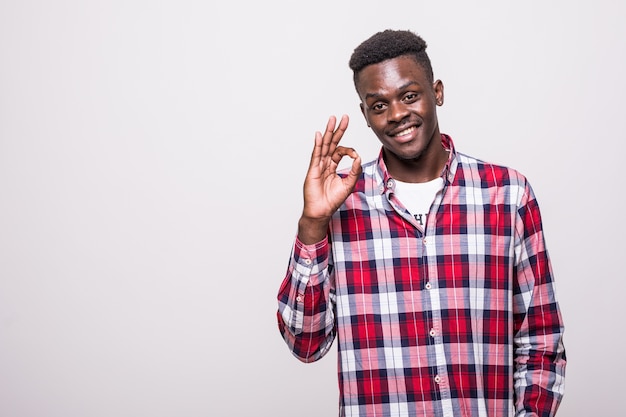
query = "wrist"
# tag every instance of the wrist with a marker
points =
(312, 230)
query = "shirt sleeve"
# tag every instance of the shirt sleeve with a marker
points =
(539, 353)
(306, 301)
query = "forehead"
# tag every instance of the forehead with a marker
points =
(391, 74)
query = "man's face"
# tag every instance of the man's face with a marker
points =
(399, 104)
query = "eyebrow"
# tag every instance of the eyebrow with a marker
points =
(402, 87)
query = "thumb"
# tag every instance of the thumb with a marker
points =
(355, 170)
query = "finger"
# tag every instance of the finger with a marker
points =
(316, 154)
(328, 137)
(355, 169)
(342, 151)
(338, 133)
(353, 175)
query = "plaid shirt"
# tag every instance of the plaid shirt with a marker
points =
(457, 319)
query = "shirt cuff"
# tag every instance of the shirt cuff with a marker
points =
(311, 259)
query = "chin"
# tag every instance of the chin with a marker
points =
(411, 151)
(404, 155)
(413, 157)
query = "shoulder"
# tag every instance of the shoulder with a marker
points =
(475, 171)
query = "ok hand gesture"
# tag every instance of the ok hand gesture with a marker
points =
(324, 190)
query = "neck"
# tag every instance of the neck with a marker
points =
(425, 167)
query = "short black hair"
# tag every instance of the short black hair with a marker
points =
(390, 44)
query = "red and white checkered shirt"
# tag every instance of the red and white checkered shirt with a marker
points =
(457, 319)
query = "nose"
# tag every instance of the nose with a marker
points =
(397, 111)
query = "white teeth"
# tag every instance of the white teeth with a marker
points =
(406, 131)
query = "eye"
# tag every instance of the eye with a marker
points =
(410, 97)
(378, 107)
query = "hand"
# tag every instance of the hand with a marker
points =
(324, 190)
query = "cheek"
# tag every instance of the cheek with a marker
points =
(375, 121)
(428, 111)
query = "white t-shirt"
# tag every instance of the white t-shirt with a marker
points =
(418, 197)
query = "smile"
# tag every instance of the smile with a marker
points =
(406, 131)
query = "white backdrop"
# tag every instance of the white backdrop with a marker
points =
(151, 161)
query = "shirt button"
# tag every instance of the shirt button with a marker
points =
(299, 298)
(438, 379)
(307, 261)
(424, 241)
(433, 333)
(428, 286)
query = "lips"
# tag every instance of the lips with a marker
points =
(405, 135)
(406, 131)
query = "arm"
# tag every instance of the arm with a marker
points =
(539, 352)
(306, 297)
(306, 300)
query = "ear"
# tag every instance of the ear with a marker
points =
(438, 88)
(363, 113)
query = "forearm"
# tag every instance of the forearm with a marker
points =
(539, 375)
(308, 335)
(539, 350)
(306, 302)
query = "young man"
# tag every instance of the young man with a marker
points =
(428, 266)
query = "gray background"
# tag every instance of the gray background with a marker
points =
(151, 161)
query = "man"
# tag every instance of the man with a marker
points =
(428, 266)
